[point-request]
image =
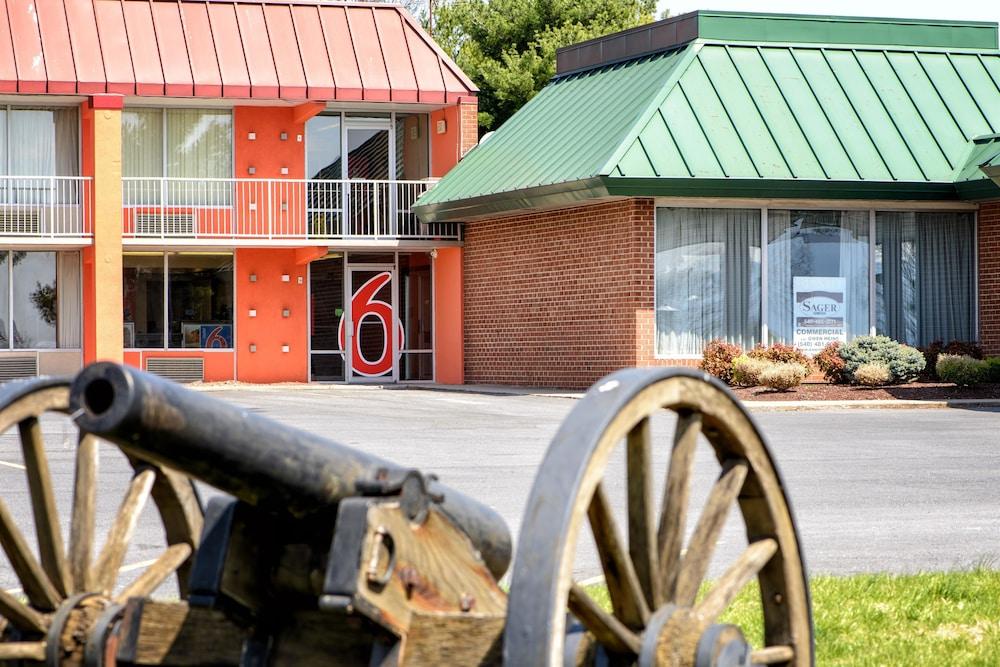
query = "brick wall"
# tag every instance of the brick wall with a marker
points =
(989, 277)
(559, 298)
(469, 112)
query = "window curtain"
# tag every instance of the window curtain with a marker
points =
(142, 155)
(707, 278)
(924, 278)
(199, 146)
(68, 293)
(816, 244)
(39, 143)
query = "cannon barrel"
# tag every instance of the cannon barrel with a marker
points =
(261, 462)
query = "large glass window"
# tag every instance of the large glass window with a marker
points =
(924, 277)
(822, 268)
(416, 315)
(707, 278)
(193, 144)
(829, 246)
(39, 300)
(198, 294)
(38, 142)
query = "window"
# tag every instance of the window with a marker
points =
(924, 278)
(192, 144)
(193, 308)
(39, 300)
(827, 245)
(707, 278)
(822, 268)
(38, 142)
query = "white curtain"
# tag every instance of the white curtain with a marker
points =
(925, 279)
(199, 145)
(816, 244)
(707, 278)
(68, 300)
(142, 154)
(40, 143)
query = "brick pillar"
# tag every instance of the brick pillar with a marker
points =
(102, 157)
(469, 118)
(989, 277)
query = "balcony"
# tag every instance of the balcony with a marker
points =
(267, 211)
(45, 208)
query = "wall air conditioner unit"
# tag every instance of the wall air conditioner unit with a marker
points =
(165, 224)
(14, 368)
(16, 222)
(178, 369)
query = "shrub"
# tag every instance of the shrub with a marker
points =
(830, 363)
(904, 362)
(783, 376)
(872, 374)
(717, 359)
(954, 347)
(962, 369)
(780, 353)
(991, 369)
(746, 370)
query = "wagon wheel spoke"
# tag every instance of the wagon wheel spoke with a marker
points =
(37, 587)
(168, 563)
(696, 560)
(772, 655)
(23, 651)
(627, 598)
(81, 534)
(673, 514)
(641, 529)
(607, 629)
(43, 504)
(739, 574)
(109, 562)
(21, 615)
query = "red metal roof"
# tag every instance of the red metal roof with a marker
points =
(269, 49)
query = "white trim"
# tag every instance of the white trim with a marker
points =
(764, 332)
(975, 283)
(818, 204)
(872, 314)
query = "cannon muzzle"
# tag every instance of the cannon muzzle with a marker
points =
(263, 463)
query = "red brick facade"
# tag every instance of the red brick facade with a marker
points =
(989, 277)
(470, 126)
(559, 298)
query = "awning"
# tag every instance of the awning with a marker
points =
(242, 49)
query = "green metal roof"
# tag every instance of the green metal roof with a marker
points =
(983, 152)
(717, 118)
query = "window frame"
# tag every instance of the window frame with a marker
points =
(393, 147)
(782, 205)
(10, 302)
(7, 108)
(166, 308)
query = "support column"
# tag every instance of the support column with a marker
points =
(449, 353)
(102, 160)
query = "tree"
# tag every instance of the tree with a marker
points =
(508, 47)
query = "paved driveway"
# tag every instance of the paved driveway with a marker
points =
(873, 490)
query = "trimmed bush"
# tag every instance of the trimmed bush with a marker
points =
(904, 362)
(954, 347)
(991, 369)
(746, 370)
(830, 363)
(872, 374)
(962, 369)
(717, 359)
(783, 376)
(780, 353)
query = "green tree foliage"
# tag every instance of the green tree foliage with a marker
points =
(508, 47)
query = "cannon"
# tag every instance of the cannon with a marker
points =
(318, 554)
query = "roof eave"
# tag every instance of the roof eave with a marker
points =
(778, 188)
(506, 203)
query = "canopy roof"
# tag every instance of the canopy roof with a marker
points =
(287, 49)
(773, 118)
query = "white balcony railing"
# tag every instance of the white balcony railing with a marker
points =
(45, 206)
(279, 209)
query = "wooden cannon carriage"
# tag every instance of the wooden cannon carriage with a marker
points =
(319, 554)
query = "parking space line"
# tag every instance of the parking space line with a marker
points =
(12, 465)
(125, 568)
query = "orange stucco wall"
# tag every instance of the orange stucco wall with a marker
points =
(269, 330)
(445, 147)
(268, 153)
(218, 364)
(448, 356)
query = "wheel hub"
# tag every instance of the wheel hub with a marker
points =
(680, 637)
(70, 631)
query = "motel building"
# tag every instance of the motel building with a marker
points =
(222, 190)
(713, 175)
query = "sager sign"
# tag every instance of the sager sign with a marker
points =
(819, 311)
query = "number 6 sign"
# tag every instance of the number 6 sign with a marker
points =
(365, 305)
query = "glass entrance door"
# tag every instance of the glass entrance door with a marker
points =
(369, 169)
(371, 350)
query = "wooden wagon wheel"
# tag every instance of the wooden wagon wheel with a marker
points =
(67, 594)
(657, 617)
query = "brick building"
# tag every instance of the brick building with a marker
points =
(752, 177)
(221, 190)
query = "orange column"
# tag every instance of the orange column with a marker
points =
(448, 350)
(102, 280)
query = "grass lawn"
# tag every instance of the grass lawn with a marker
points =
(941, 618)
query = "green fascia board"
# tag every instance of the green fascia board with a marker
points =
(984, 188)
(831, 30)
(980, 152)
(541, 197)
(567, 132)
(775, 188)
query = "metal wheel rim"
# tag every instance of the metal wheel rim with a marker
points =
(573, 468)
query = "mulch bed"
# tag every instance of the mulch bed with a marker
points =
(914, 391)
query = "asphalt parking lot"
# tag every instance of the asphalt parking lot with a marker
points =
(873, 490)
